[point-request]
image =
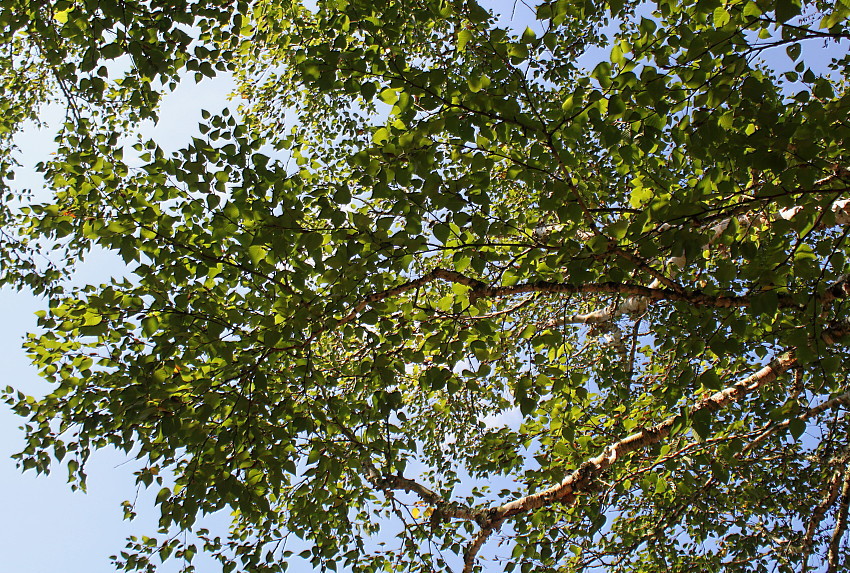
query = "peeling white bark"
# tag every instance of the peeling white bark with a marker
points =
(636, 305)
(584, 478)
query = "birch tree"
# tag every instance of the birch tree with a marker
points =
(548, 287)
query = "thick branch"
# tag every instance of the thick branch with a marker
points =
(472, 550)
(637, 297)
(446, 509)
(610, 287)
(479, 290)
(580, 478)
(583, 478)
(636, 303)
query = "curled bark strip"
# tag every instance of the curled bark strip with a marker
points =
(838, 289)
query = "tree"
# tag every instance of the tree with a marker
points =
(434, 284)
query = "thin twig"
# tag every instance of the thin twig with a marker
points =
(818, 515)
(833, 555)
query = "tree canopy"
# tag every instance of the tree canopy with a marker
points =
(441, 291)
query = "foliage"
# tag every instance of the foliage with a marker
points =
(436, 294)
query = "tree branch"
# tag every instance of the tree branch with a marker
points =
(446, 509)
(388, 483)
(481, 290)
(637, 303)
(637, 296)
(811, 413)
(584, 478)
(651, 294)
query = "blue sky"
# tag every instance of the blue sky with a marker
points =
(47, 527)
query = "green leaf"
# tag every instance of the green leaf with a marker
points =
(163, 495)
(381, 136)
(793, 51)
(150, 325)
(529, 36)
(796, 426)
(476, 84)
(61, 16)
(257, 253)
(463, 38)
(701, 423)
(721, 16)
